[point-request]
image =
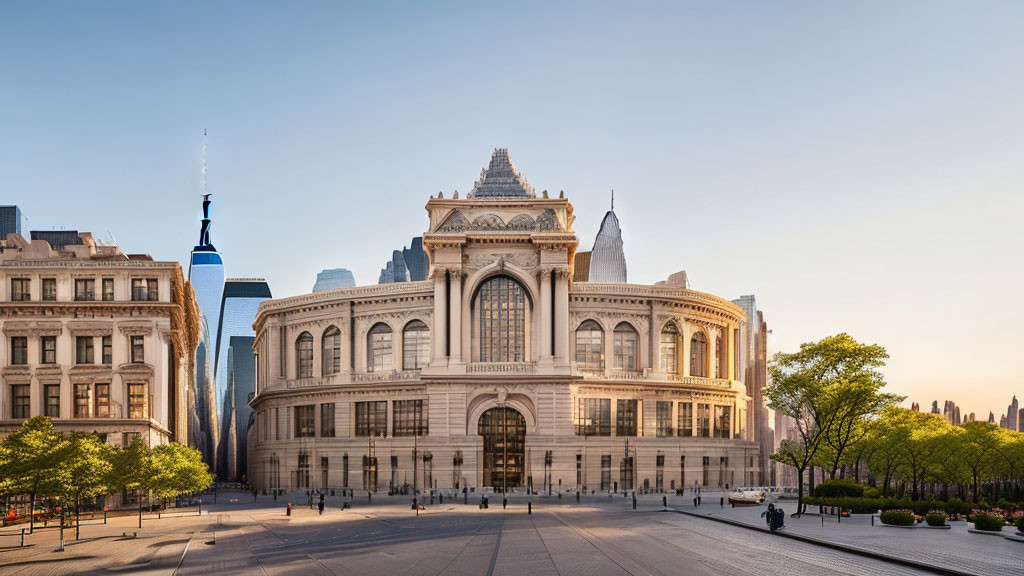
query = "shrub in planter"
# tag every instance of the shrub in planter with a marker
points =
(1020, 524)
(839, 488)
(898, 517)
(935, 519)
(988, 522)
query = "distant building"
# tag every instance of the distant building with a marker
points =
(1012, 415)
(935, 407)
(242, 297)
(915, 406)
(241, 371)
(334, 278)
(58, 239)
(406, 265)
(10, 221)
(753, 359)
(607, 259)
(951, 413)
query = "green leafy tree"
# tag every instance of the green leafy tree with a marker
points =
(884, 438)
(977, 448)
(829, 388)
(919, 446)
(33, 461)
(177, 470)
(131, 470)
(83, 470)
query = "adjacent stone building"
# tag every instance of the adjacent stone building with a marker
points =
(498, 370)
(96, 339)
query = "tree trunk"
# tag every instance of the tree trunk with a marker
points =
(140, 508)
(800, 490)
(32, 513)
(78, 517)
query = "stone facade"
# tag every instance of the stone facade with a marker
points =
(98, 340)
(524, 379)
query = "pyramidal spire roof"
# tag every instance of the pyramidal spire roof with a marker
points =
(607, 260)
(500, 179)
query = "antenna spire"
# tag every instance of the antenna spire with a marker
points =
(613, 199)
(204, 161)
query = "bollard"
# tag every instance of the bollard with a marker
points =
(504, 502)
(664, 502)
(61, 549)
(529, 510)
(577, 495)
(440, 498)
(634, 500)
(872, 519)
(22, 537)
(721, 501)
(822, 521)
(289, 510)
(369, 497)
(105, 509)
(465, 497)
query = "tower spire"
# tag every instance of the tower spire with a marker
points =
(204, 161)
(613, 199)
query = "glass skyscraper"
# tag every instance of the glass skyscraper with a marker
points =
(241, 299)
(206, 273)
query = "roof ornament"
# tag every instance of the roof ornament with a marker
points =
(500, 179)
(561, 193)
(545, 193)
(456, 196)
(440, 195)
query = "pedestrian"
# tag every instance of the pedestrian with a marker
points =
(320, 506)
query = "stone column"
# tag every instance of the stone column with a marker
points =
(546, 315)
(561, 314)
(439, 334)
(455, 322)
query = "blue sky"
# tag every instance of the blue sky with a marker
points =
(857, 166)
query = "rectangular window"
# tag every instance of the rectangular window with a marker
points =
(302, 473)
(83, 350)
(103, 400)
(138, 289)
(593, 417)
(381, 359)
(372, 418)
(625, 419)
(48, 349)
(659, 472)
(327, 420)
(138, 349)
(137, 401)
(108, 289)
(19, 350)
(369, 472)
(579, 471)
(705, 469)
(323, 471)
(85, 290)
(394, 472)
(685, 419)
(344, 470)
(606, 472)
(83, 400)
(664, 419)
(108, 349)
(152, 289)
(50, 289)
(407, 418)
(703, 420)
(722, 429)
(305, 421)
(669, 340)
(21, 289)
(51, 407)
(20, 401)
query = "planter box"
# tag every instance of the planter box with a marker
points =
(988, 532)
(946, 527)
(1018, 537)
(897, 525)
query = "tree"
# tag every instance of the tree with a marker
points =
(829, 388)
(977, 448)
(84, 468)
(885, 436)
(177, 470)
(131, 470)
(33, 461)
(919, 445)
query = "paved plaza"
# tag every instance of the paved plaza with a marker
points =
(595, 537)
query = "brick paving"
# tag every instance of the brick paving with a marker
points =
(599, 536)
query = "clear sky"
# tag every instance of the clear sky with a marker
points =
(856, 165)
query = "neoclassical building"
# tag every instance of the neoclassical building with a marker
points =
(499, 370)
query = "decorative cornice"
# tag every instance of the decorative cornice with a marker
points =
(135, 329)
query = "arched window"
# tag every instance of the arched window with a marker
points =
(669, 349)
(415, 346)
(699, 355)
(590, 346)
(330, 351)
(625, 341)
(304, 355)
(718, 357)
(501, 302)
(378, 349)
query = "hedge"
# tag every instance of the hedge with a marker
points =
(839, 488)
(898, 517)
(935, 519)
(1020, 524)
(988, 522)
(872, 505)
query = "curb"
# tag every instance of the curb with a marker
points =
(834, 546)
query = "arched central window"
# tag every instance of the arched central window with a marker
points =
(304, 355)
(415, 346)
(501, 302)
(699, 355)
(718, 357)
(378, 349)
(626, 341)
(669, 349)
(330, 357)
(590, 346)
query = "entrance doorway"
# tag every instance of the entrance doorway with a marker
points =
(504, 432)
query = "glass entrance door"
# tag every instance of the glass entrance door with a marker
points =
(504, 432)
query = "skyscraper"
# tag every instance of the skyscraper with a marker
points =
(10, 221)
(753, 363)
(242, 296)
(607, 260)
(241, 388)
(334, 278)
(1012, 416)
(206, 273)
(406, 265)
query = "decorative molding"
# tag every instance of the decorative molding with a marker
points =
(135, 329)
(501, 368)
(524, 260)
